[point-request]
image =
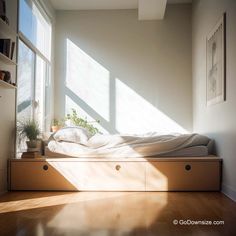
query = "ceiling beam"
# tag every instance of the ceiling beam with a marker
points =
(151, 9)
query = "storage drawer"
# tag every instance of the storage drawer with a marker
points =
(59, 175)
(26, 175)
(183, 176)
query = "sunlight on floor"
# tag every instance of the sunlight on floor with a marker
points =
(144, 213)
(67, 198)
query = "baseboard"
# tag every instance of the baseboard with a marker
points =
(229, 192)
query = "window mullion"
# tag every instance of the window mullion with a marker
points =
(32, 47)
(44, 94)
(34, 87)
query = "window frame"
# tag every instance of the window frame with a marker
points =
(36, 51)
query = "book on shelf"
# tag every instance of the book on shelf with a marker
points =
(12, 50)
(2, 8)
(7, 47)
(31, 154)
(3, 11)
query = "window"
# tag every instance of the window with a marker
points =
(26, 58)
(35, 27)
(34, 64)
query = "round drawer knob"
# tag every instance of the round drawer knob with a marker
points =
(45, 167)
(187, 167)
(118, 167)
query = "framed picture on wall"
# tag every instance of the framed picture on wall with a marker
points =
(216, 63)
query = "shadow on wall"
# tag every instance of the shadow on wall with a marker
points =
(96, 93)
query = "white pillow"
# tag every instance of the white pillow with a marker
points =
(72, 134)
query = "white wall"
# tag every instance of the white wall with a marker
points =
(216, 121)
(139, 72)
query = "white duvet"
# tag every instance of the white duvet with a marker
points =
(80, 144)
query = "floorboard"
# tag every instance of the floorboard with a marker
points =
(116, 213)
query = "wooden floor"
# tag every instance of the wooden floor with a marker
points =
(115, 213)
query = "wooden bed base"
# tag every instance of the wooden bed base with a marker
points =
(123, 174)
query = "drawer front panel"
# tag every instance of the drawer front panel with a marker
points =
(182, 176)
(80, 176)
(104, 176)
(37, 176)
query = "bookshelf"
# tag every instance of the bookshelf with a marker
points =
(8, 51)
(8, 91)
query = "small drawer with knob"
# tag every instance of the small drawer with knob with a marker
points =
(37, 175)
(111, 176)
(183, 176)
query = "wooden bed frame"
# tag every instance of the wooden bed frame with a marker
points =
(116, 174)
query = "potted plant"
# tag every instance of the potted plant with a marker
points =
(57, 124)
(29, 129)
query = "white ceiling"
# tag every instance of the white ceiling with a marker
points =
(101, 4)
(94, 4)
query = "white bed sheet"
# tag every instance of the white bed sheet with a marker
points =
(116, 146)
(197, 151)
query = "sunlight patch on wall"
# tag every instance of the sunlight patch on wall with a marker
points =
(136, 115)
(69, 104)
(87, 79)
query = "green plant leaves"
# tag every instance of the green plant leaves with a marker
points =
(78, 121)
(29, 129)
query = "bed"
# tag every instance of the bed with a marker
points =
(75, 161)
(196, 151)
(77, 142)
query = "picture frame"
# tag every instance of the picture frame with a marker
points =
(216, 63)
